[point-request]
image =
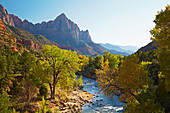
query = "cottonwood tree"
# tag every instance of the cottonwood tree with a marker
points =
(130, 79)
(161, 34)
(64, 64)
(112, 59)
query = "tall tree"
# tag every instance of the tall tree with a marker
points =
(161, 34)
(64, 64)
(27, 62)
(7, 60)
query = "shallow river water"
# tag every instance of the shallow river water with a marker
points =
(101, 103)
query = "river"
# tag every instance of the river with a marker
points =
(100, 102)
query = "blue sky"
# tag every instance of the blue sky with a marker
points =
(119, 22)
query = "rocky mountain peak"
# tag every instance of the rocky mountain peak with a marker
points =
(3, 10)
(62, 15)
(5, 17)
(62, 30)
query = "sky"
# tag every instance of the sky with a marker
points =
(118, 22)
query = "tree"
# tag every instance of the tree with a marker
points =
(83, 61)
(41, 73)
(161, 34)
(131, 79)
(112, 59)
(98, 61)
(64, 64)
(27, 62)
(7, 67)
(41, 76)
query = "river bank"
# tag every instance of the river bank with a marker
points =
(77, 99)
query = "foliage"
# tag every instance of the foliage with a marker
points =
(161, 34)
(4, 102)
(43, 91)
(43, 106)
(64, 64)
(41, 73)
(132, 82)
(98, 61)
(113, 59)
(83, 61)
(27, 61)
(7, 60)
(105, 79)
(130, 79)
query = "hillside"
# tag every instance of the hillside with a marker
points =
(18, 37)
(149, 47)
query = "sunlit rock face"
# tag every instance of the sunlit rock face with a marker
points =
(62, 30)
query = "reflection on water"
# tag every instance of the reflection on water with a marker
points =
(100, 102)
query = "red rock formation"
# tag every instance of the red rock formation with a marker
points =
(14, 49)
(29, 43)
(2, 26)
(61, 30)
(5, 17)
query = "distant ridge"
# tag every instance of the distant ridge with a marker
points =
(125, 50)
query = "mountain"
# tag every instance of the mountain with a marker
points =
(118, 52)
(16, 38)
(125, 50)
(129, 48)
(62, 31)
(149, 47)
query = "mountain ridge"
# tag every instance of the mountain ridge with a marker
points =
(61, 30)
(126, 50)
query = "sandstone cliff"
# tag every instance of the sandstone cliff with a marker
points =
(62, 30)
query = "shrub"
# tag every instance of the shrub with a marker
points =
(43, 91)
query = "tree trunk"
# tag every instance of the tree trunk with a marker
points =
(53, 93)
(51, 89)
(27, 89)
(54, 80)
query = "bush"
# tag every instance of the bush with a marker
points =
(4, 102)
(43, 91)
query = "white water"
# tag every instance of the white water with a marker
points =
(101, 103)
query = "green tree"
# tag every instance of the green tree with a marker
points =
(27, 62)
(7, 67)
(64, 64)
(131, 79)
(41, 73)
(83, 61)
(98, 61)
(161, 34)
